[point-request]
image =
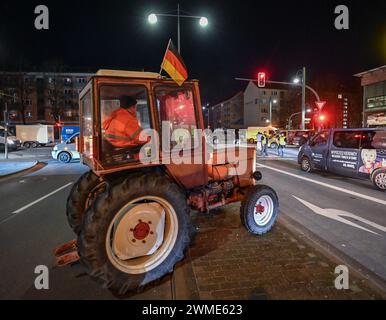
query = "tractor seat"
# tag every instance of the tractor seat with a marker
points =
(119, 155)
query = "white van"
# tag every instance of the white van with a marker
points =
(66, 151)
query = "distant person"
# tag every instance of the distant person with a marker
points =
(121, 128)
(259, 147)
(264, 144)
(281, 143)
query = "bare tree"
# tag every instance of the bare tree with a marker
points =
(56, 88)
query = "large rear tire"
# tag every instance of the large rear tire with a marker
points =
(80, 198)
(259, 209)
(124, 244)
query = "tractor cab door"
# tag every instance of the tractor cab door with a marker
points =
(182, 148)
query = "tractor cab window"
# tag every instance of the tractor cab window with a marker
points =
(125, 114)
(175, 106)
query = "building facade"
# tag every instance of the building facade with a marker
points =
(343, 109)
(227, 114)
(42, 97)
(374, 97)
(264, 106)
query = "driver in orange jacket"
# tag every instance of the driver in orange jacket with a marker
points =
(121, 128)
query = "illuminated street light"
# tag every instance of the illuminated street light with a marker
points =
(152, 18)
(296, 81)
(203, 22)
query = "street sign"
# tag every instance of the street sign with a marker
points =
(320, 104)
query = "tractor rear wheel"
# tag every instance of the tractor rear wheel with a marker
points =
(135, 232)
(80, 198)
(259, 209)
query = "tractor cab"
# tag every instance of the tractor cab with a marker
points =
(166, 113)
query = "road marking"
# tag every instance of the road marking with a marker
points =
(339, 215)
(42, 198)
(353, 193)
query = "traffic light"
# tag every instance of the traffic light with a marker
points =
(58, 124)
(322, 117)
(261, 77)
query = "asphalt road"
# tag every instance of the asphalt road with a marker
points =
(348, 214)
(33, 223)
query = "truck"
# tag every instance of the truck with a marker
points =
(68, 131)
(355, 153)
(33, 136)
(131, 211)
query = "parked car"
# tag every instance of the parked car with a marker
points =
(66, 151)
(299, 137)
(356, 153)
(12, 141)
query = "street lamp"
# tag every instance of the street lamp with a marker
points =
(296, 81)
(153, 19)
(303, 81)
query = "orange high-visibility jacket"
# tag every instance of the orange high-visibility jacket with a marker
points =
(122, 129)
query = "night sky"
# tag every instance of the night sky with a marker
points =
(242, 38)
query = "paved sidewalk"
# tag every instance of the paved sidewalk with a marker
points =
(230, 263)
(11, 167)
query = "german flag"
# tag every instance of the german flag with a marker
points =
(174, 65)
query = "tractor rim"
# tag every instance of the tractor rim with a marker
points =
(263, 211)
(380, 180)
(141, 232)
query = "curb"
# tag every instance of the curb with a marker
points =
(19, 171)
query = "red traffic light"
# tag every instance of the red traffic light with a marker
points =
(58, 124)
(261, 77)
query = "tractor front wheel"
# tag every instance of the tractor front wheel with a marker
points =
(135, 232)
(259, 209)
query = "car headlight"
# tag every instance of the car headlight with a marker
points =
(11, 142)
(55, 148)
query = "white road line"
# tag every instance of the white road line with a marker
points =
(40, 199)
(353, 193)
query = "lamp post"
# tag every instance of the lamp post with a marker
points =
(303, 83)
(6, 122)
(274, 101)
(206, 108)
(153, 19)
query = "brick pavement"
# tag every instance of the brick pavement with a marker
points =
(229, 263)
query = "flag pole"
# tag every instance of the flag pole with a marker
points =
(160, 71)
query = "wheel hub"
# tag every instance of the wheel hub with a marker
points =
(259, 209)
(141, 230)
(263, 210)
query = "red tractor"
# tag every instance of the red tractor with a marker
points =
(132, 218)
